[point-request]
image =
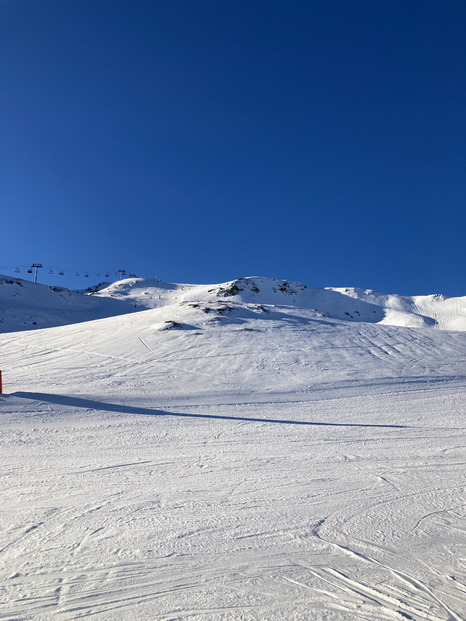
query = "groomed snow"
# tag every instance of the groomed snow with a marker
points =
(251, 450)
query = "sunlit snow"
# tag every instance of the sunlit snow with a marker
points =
(249, 450)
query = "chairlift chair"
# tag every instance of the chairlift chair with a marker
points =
(62, 273)
(17, 270)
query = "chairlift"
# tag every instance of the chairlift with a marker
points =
(86, 275)
(17, 270)
(107, 275)
(50, 271)
(29, 271)
(77, 274)
(62, 273)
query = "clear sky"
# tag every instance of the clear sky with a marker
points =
(321, 141)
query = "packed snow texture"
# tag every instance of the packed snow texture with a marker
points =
(254, 450)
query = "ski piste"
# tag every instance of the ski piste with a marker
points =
(256, 449)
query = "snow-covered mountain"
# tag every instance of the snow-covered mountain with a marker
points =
(255, 450)
(24, 305)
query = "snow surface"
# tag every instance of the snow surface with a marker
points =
(25, 305)
(251, 450)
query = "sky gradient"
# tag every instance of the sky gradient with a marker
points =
(200, 141)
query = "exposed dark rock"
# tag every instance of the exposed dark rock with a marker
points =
(173, 325)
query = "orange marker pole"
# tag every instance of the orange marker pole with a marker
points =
(1, 383)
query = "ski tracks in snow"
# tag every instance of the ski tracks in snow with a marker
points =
(157, 360)
(231, 514)
(405, 597)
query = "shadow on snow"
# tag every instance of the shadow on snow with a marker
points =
(78, 402)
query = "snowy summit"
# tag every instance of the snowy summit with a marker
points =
(24, 305)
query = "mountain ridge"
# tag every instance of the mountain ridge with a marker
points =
(25, 305)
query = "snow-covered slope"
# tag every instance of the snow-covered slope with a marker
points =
(27, 306)
(238, 451)
(220, 344)
(350, 304)
(24, 305)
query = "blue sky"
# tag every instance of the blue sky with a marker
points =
(200, 141)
